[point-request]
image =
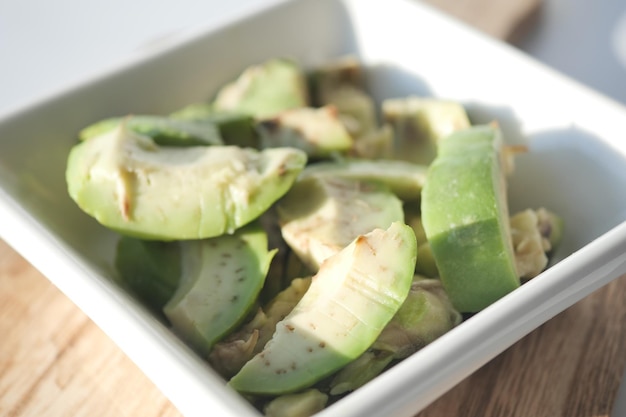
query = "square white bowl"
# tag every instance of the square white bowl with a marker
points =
(576, 167)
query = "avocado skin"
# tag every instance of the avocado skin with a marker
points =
(465, 216)
(235, 128)
(150, 269)
(163, 130)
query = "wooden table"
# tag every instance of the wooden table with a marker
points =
(55, 362)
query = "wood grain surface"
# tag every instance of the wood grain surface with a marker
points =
(54, 361)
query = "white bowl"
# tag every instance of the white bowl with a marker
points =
(576, 167)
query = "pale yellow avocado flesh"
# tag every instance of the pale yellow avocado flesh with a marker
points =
(351, 299)
(318, 217)
(133, 186)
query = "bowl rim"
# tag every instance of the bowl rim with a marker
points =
(594, 265)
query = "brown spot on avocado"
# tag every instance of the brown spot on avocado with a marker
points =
(362, 240)
(282, 170)
(272, 125)
(332, 110)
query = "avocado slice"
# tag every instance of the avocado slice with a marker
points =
(419, 123)
(317, 131)
(425, 315)
(320, 216)
(264, 90)
(375, 144)
(285, 266)
(229, 355)
(235, 128)
(341, 83)
(350, 300)
(342, 72)
(405, 179)
(163, 130)
(425, 264)
(149, 269)
(131, 185)
(300, 404)
(356, 108)
(465, 216)
(221, 279)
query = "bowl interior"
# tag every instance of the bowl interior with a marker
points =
(576, 164)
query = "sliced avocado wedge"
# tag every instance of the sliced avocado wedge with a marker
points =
(350, 300)
(221, 279)
(320, 216)
(163, 130)
(341, 83)
(229, 355)
(420, 122)
(465, 216)
(130, 184)
(150, 269)
(360, 371)
(405, 179)
(300, 404)
(425, 315)
(317, 131)
(342, 72)
(235, 128)
(264, 90)
(356, 108)
(375, 144)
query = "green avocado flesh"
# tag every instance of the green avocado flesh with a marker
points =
(349, 302)
(131, 185)
(419, 123)
(165, 131)
(150, 269)
(465, 217)
(425, 315)
(221, 279)
(265, 90)
(301, 232)
(234, 128)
